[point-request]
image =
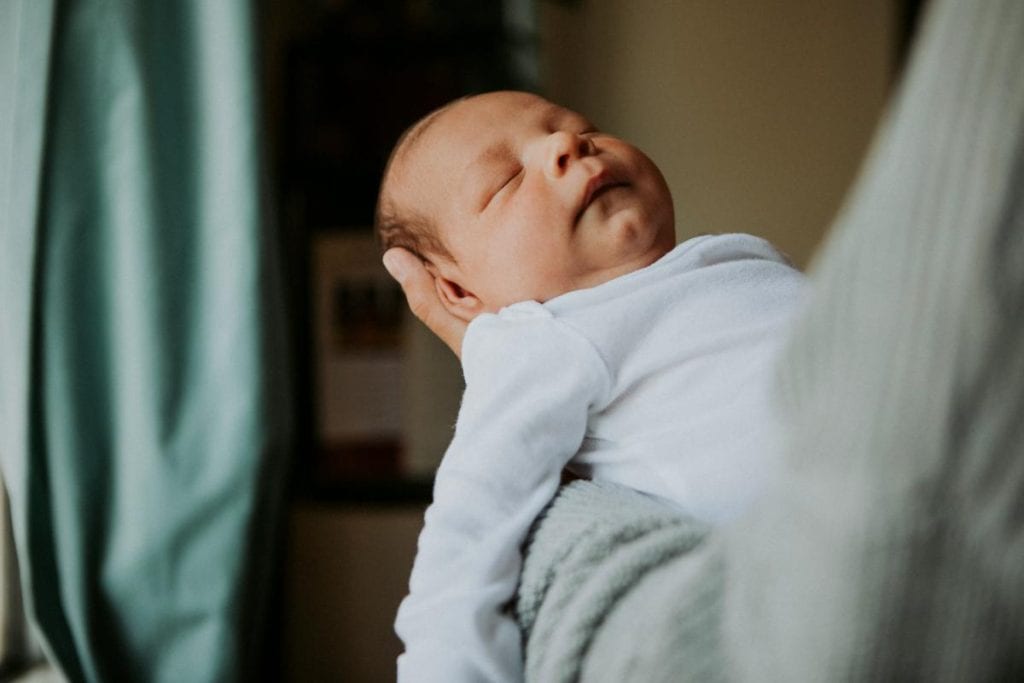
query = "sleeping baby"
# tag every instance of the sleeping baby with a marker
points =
(594, 343)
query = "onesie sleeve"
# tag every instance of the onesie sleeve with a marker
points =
(530, 384)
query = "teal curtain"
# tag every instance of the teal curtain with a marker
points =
(142, 410)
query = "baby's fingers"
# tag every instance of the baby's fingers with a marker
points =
(421, 293)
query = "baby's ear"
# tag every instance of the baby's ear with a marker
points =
(458, 301)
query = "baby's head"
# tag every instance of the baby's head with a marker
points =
(508, 197)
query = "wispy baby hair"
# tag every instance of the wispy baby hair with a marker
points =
(402, 226)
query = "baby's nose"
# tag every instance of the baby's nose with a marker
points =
(563, 149)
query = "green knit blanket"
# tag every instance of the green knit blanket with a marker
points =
(617, 586)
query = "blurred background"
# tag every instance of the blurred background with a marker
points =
(758, 113)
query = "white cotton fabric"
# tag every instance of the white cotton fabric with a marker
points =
(657, 380)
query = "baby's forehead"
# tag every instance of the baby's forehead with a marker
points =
(431, 156)
(413, 179)
(413, 168)
(444, 146)
(484, 118)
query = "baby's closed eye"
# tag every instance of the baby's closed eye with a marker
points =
(509, 181)
(513, 175)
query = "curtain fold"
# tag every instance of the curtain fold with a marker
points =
(142, 418)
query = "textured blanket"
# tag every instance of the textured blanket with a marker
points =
(617, 586)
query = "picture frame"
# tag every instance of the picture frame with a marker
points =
(359, 362)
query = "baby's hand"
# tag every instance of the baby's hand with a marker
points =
(424, 299)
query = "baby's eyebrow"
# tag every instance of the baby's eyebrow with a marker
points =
(495, 153)
(472, 179)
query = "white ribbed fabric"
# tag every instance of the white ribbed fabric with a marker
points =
(894, 549)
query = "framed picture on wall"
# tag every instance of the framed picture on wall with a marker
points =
(358, 312)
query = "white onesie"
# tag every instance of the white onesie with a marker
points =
(657, 380)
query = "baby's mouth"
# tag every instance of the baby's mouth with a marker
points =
(597, 186)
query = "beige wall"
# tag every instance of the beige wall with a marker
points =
(758, 113)
(348, 569)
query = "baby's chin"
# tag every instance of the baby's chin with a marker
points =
(632, 245)
(627, 227)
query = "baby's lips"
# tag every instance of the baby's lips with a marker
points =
(596, 185)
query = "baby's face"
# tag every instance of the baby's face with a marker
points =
(532, 201)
